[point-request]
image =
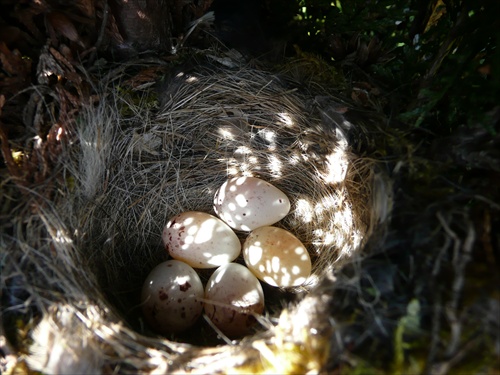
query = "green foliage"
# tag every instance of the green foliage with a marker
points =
(440, 59)
(408, 325)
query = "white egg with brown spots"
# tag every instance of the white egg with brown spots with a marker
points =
(233, 298)
(201, 240)
(172, 297)
(277, 257)
(246, 203)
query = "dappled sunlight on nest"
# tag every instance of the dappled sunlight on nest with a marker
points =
(134, 168)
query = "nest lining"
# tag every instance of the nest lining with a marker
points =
(133, 168)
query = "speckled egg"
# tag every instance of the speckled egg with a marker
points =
(277, 257)
(233, 296)
(201, 240)
(246, 203)
(172, 297)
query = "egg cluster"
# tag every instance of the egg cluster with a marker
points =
(173, 297)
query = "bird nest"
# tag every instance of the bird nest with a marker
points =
(77, 257)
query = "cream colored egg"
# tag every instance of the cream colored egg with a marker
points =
(172, 297)
(246, 203)
(233, 296)
(201, 240)
(277, 257)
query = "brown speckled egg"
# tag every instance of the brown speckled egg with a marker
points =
(233, 296)
(277, 257)
(246, 203)
(201, 240)
(172, 297)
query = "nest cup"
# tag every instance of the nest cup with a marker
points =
(137, 162)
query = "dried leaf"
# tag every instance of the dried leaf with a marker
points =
(5, 59)
(16, 70)
(87, 7)
(2, 103)
(353, 42)
(145, 76)
(374, 50)
(64, 26)
(438, 11)
(362, 54)
(26, 15)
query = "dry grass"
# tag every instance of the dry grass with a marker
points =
(81, 255)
